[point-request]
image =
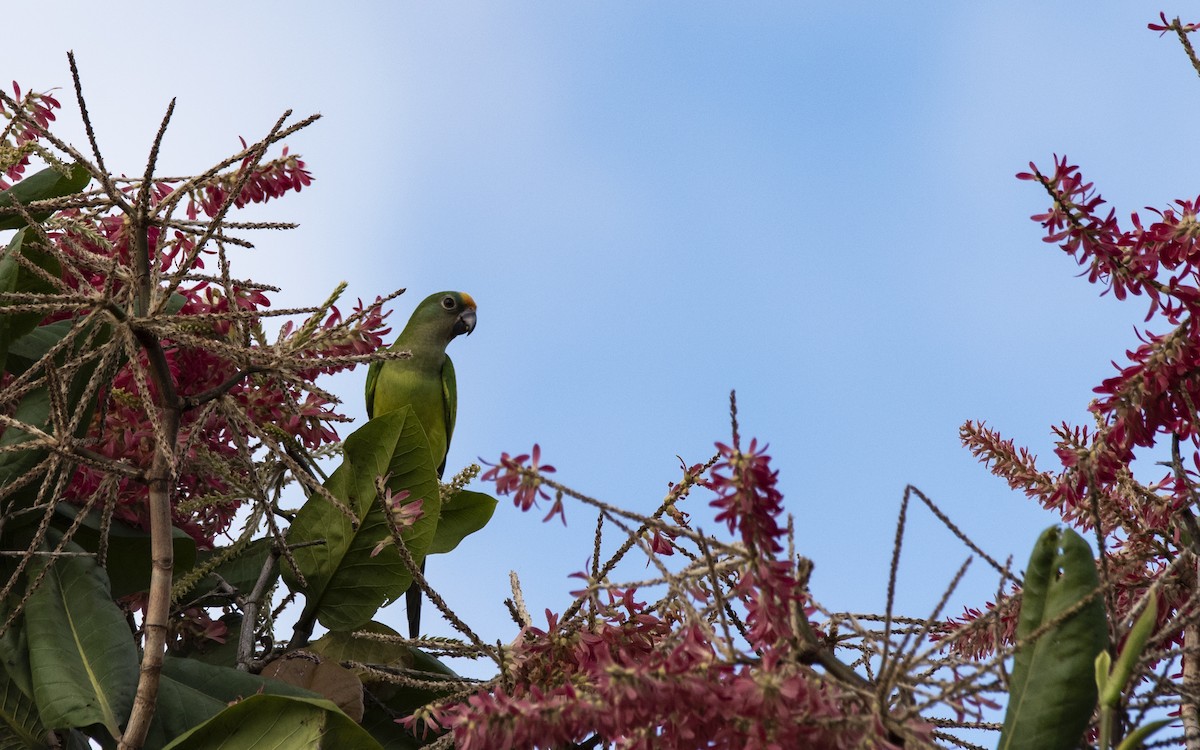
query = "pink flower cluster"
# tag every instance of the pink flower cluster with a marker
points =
(749, 502)
(20, 134)
(1155, 394)
(268, 180)
(1166, 25)
(404, 512)
(656, 679)
(513, 477)
(202, 356)
(1123, 260)
(1151, 398)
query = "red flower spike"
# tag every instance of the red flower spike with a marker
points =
(124, 431)
(1151, 398)
(644, 678)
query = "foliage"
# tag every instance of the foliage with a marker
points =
(150, 425)
(145, 411)
(1145, 528)
(1051, 696)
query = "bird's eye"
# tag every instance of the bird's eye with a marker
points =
(448, 303)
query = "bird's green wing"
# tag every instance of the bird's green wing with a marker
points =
(449, 405)
(372, 379)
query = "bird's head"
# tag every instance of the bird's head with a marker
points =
(451, 313)
(465, 307)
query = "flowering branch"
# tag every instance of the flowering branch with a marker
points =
(623, 671)
(1145, 527)
(152, 368)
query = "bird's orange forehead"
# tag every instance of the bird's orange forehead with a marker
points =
(467, 300)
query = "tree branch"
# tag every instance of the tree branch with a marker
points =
(161, 476)
(245, 650)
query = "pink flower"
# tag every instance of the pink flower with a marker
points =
(524, 483)
(1166, 25)
(404, 513)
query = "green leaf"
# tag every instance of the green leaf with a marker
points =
(1103, 666)
(16, 278)
(40, 186)
(388, 701)
(1131, 652)
(1052, 694)
(343, 646)
(34, 408)
(191, 692)
(239, 573)
(276, 722)
(180, 708)
(1137, 738)
(20, 726)
(28, 349)
(129, 550)
(129, 553)
(226, 684)
(212, 652)
(381, 724)
(346, 585)
(14, 647)
(82, 655)
(462, 515)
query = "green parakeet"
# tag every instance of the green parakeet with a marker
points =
(426, 382)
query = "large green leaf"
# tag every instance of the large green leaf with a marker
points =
(20, 726)
(34, 408)
(29, 348)
(346, 584)
(1052, 694)
(47, 184)
(14, 277)
(14, 647)
(129, 553)
(387, 700)
(380, 723)
(82, 655)
(276, 722)
(462, 515)
(226, 684)
(180, 708)
(191, 692)
(343, 646)
(239, 572)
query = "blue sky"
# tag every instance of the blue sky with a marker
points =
(656, 203)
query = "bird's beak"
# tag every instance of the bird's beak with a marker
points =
(465, 323)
